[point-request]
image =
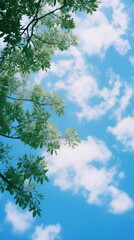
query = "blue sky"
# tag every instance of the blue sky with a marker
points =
(90, 194)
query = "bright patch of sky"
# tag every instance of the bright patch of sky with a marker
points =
(90, 193)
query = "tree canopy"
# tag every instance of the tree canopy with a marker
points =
(32, 31)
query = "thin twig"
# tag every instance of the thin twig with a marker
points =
(26, 100)
(43, 41)
(8, 136)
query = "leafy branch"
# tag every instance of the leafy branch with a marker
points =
(9, 182)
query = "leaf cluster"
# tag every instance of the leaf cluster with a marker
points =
(22, 180)
(26, 116)
(49, 28)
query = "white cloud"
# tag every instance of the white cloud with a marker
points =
(74, 61)
(103, 32)
(123, 101)
(110, 95)
(124, 132)
(62, 67)
(59, 68)
(96, 34)
(131, 59)
(121, 201)
(85, 171)
(40, 76)
(25, 20)
(20, 221)
(73, 75)
(121, 175)
(82, 88)
(50, 232)
(79, 88)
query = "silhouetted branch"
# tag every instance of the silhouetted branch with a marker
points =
(9, 182)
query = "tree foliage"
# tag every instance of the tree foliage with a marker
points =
(26, 113)
(49, 25)
(26, 116)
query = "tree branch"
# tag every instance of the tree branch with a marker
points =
(21, 84)
(26, 100)
(43, 41)
(49, 13)
(19, 99)
(8, 136)
(9, 182)
(35, 20)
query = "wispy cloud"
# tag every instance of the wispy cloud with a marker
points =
(131, 59)
(83, 89)
(50, 232)
(124, 132)
(123, 102)
(20, 221)
(85, 171)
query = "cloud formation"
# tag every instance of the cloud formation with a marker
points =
(103, 32)
(124, 132)
(94, 101)
(20, 221)
(131, 59)
(50, 232)
(75, 76)
(84, 170)
(121, 202)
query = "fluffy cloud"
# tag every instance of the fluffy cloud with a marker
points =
(124, 132)
(95, 101)
(103, 31)
(20, 221)
(85, 171)
(74, 61)
(96, 34)
(73, 73)
(50, 232)
(107, 98)
(59, 68)
(80, 88)
(121, 201)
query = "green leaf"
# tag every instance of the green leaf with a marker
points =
(34, 213)
(46, 178)
(39, 213)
